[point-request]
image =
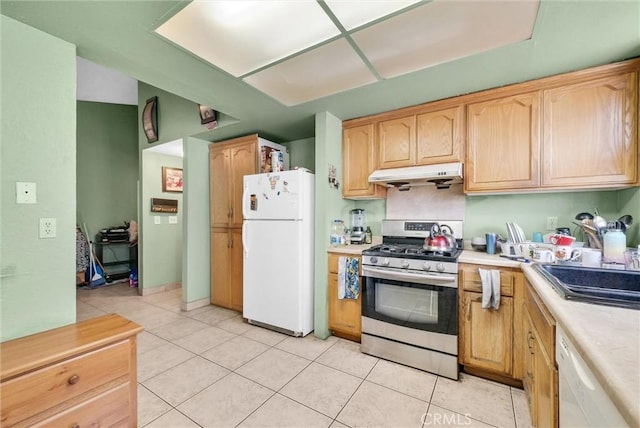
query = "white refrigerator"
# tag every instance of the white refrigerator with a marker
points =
(278, 241)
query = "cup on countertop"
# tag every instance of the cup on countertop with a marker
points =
(507, 248)
(562, 240)
(491, 239)
(524, 249)
(537, 237)
(591, 257)
(566, 252)
(541, 255)
(632, 259)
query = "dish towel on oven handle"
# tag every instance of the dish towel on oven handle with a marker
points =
(348, 278)
(490, 279)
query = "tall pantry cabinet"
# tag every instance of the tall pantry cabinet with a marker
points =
(229, 162)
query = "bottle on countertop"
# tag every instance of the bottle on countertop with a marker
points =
(368, 236)
(614, 244)
(338, 237)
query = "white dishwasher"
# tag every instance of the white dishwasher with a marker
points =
(583, 402)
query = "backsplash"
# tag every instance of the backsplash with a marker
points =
(426, 202)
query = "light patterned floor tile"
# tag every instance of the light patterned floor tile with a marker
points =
(235, 352)
(416, 383)
(346, 356)
(161, 359)
(173, 419)
(150, 406)
(322, 388)
(185, 380)
(274, 368)
(204, 339)
(375, 405)
(280, 411)
(148, 341)
(438, 417)
(521, 408)
(226, 403)
(309, 347)
(235, 325)
(179, 328)
(211, 314)
(482, 400)
(264, 335)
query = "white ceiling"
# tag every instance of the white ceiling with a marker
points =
(101, 84)
(302, 50)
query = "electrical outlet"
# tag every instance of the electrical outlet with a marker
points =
(25, 193)
(552, 223)
(47, 228)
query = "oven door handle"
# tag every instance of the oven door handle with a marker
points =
(427, 279)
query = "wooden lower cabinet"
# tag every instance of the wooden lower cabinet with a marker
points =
(345, 315)
(226, 268)
(83, 374)
(541, 375)
(490, 339)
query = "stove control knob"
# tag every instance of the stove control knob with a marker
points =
(426, 266)
(405, 264)
(385, 262)
(374, 260)
(440, 267)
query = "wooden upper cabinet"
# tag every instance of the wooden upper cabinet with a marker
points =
(439, 136)
(243, 162)
(590, 133)
(228, 164)
(397, 142)
(503, 143)
(359, 160)
(220, 185)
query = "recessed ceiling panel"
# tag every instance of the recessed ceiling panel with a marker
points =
(314, 74)
(242, 36)
(443, 31)
(354, 13)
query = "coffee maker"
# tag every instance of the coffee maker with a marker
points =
(357, 226)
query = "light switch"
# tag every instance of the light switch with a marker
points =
(25, 193)
(156, 219)
(173, 219)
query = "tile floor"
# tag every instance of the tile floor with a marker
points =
(209, 368)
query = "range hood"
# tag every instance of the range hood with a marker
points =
(442, 176)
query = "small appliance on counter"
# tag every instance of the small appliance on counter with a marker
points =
(358, 235)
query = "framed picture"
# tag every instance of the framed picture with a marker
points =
(207, 114)
(171, 179)
(150, 120)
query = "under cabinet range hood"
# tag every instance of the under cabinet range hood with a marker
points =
(441, 175)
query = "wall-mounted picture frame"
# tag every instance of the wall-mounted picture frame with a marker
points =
(150, 120)
(171, 179)
(207, 114)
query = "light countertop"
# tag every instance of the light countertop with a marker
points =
(607, 338)
(355, 249)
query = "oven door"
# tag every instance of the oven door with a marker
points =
(426, 302)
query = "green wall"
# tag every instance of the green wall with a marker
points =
(530, 211)
(329, 206)
(161, 243)
(629, 203)
(196, 250)
(38, 144)
(302, 153)
(107, 164)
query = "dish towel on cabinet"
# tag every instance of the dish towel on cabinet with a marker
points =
(490, 279)
(348, 278)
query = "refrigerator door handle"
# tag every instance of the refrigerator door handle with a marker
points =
(245, 249)
(245, 190)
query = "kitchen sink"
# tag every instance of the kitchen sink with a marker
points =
(601, 286)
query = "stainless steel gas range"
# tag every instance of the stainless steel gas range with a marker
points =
(410, 298)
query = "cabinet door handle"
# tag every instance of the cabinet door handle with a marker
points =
(231, 215)
(231, 243)
(73, 379)
(529, 345)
